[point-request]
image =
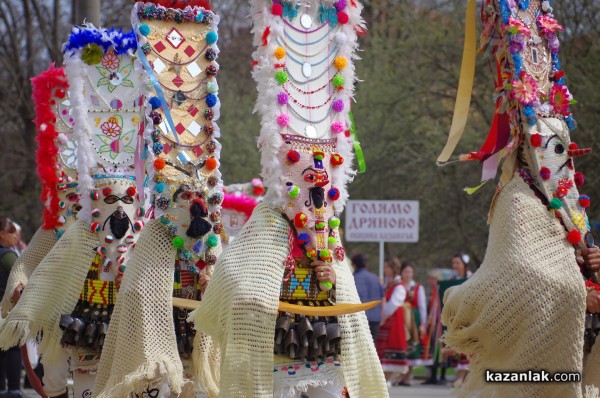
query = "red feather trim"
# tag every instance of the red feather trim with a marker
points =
(46, 156)
(242, 203)
(265, 36)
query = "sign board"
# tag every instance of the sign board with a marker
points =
(382, 221)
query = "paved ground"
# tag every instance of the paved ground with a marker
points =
(416, 391)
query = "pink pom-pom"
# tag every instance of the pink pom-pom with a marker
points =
(337, 127)
(282, 98)
(283, 120)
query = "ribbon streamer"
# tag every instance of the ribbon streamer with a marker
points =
(465, 87)
(159, 92)
(360, 157)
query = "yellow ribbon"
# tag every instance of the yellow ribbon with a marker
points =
(465, 86)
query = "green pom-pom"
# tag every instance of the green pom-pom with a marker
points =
(338, 81)
(324, 254)
(144, 29)
(555, 203)
(332, 241)
(212, 241)
(178, 242)
(334, 223)
(320, 225)
(281, 77)
(294, 192)
(92, 54)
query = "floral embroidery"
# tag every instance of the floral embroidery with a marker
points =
(525, 90)
(115, 77)
(111, 128)
(110, 60)
(114, 140)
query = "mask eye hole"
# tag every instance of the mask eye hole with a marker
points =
(186, 195)
(127, 199)
(72, 197)
(110, 199)
(559, 149)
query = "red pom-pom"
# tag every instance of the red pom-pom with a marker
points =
(211, 163)
(334, 194)
(536, 140)
(293, 156)
(545, 173)
(579, 179)
(131, 191)
(106, 191)
(258, 191)
(300, 220)
(574, 237)
(584, 201)
(159, 164)
(60, 93)
(336, 159)
(96, 227)
(573, 146)
(342, 17)
(277, 9)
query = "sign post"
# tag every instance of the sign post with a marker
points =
(382, 221)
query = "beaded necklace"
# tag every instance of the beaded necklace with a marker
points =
(309, 80)
(302, 118)
(333, 51)
(286, 33)
(295, 101)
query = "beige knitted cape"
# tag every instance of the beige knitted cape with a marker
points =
(52, 290)
(524, 308)
(240, 307)
(36, 250)
(141, 347)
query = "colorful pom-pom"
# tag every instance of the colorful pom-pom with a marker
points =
(159, 164)
(334, 194)
(60, 93)
(337, 127)
(92, 54)
(279, 53)
(343, 18)
(60, 233)
(138, 225)
(293, 156)
(303, 239)
(106, 191)
(282, 98)
(96, 227)
(332, 241)
(211, 163)
(536, 140)
(62, 205)
(94, 195)
(212, 87)
(109, 239)
(312, 254)
(318, 155)
(144, 30)
(140, 212)
(325, 286)
(281, 77)
(334, 223)
(337, 105)
(579, 179)
(300, 220)
(545, 173)
(293, 191)
(340, 5)
(96, 213)
(154, 102)
(573, 146)
(211, 100)
(131, 191)
(336, 160)
(324, 254)
(177, 242)
(199, 17)
(574, 237)
(584, 201)
(159, 187)
(212, 37)
(283, 119)
(212, 241)
(556, 203)
(319, 225)
(338, 81)
(277, 10)
(101, 250)
(341, 38)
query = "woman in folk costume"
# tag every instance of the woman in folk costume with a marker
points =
(56, 168)
(108, 97)
(148, 349)
(268, 306)
(524, 308)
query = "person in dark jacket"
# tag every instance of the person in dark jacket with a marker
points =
(369, 289)
(10, 360)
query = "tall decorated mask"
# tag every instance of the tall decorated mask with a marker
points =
(56, 153)
(109, 98)
(178, 43)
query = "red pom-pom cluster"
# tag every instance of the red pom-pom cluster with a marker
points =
(574, 237)
(293, 156)
(334, 194)
(300, 220)
(336, 160)
(131, 191)
(579, 179)
(545, 173)
(573, 146)
(584, 201)
(106, 191)
(343, 17)
(536, 140)
(277, 10)
(258, 191)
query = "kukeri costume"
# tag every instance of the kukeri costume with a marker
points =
(524, 308)
(303, 68)
(148, 348)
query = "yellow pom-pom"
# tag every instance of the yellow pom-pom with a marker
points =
(340, 63)
(279, 53)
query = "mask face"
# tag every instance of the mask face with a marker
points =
(309, 164)
(116, 205)
(549, 152)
